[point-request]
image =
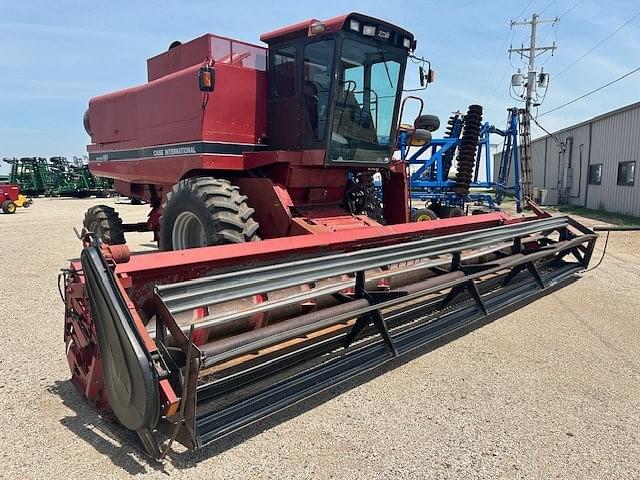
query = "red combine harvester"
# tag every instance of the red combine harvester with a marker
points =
(230, 142)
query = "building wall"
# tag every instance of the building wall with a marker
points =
(563, 168)
(607, 139)
(616, 139)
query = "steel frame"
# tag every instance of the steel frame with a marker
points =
(214, 425)
(429, 181)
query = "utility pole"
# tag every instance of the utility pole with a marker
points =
(530, 52)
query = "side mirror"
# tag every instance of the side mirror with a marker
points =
(429, 76)
(207, 78)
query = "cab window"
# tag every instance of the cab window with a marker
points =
(283, 73)
(316, 85)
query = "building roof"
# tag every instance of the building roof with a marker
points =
(592, 120)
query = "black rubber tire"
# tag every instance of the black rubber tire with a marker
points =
(481, 210)
(420, 137)
(8, 206)
(454, 212)
(86, 123)
(423, 215)
(105, 221)
(427, 122)
(218, 205)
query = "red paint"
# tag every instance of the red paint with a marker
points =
(9, 192)
(195, 260)
(395, 190)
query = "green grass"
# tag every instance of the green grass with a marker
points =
(614, 218)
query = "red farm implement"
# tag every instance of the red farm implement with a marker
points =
(11, 198)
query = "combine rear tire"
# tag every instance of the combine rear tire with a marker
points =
(424, 215)
(8, 206)
(105, 223)
(205, 211)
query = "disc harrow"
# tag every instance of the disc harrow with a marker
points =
(467, 150)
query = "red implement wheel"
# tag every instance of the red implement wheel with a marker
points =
(8, 206)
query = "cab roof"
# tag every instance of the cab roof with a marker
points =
(341, 22)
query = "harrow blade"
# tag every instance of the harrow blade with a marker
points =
(239, 332)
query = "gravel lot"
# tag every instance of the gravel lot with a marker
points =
(552, 390)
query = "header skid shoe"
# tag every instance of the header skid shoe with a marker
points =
(194, 345)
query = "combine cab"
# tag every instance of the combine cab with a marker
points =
(277, 144)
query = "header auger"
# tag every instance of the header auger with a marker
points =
(263, 158)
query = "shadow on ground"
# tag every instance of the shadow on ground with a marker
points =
(121, 446)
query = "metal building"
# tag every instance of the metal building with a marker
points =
(592, 164)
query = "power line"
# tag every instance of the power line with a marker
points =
(500, 53)
(547, 7)
(555, 41)
(558, 142)
(608, 37)
(554, 26)
(570, 8)
(525, 8)
(495, 63)
(591, 92)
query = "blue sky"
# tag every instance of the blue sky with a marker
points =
(54, 56)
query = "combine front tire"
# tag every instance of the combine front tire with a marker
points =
(204, 211)
(105, 223)
(8, 206)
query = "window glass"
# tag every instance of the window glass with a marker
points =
(248, 56)
(238, 54)
(384, 77)
(283, 73)
(220, 49)
(368, 77)
(595, 174)
(318, 59)
(626, 173)
(354, 80)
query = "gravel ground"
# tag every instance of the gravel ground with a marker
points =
(551, 390)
